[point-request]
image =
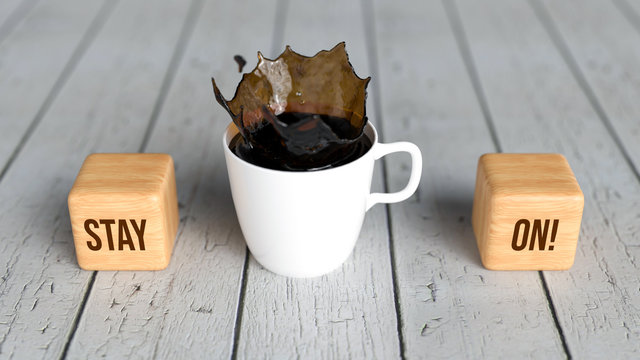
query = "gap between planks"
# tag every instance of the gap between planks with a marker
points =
(277, 39)
(240, 308)
(76, 319)
(371, 46)
(467, 57)
(93, 30)
(280, 20)
(16, 16)
(185, 34)
(465, 52)
(560, 43)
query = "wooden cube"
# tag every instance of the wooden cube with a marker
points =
(124, 212)
(527, 210)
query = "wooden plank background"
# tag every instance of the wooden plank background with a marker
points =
(447, 298)
(457, 78)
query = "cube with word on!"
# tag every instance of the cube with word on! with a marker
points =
(124, 212)
(527, 210)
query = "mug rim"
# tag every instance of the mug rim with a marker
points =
(226, 139)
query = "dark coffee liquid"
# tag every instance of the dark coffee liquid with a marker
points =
(301, 142)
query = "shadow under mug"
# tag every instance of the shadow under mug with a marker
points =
(305, 224)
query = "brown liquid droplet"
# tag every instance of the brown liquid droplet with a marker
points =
(241, 62)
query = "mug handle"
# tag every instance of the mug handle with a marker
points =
(381, 150)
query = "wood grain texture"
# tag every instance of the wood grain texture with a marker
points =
(189, 309)
(124, 212)
(102, 108)
(451, 306)
(32, 59)
(527, 210)
(537, 106)
(348, 312)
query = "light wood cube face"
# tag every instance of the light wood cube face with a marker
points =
(124, 212)
(527, 211)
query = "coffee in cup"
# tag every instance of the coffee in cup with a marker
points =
(300, 155)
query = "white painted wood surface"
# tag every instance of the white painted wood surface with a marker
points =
(104, 106)
(597, 300)
(33, 57)
(189, 309)
(449, 301)
(457, 78)
(608, 57)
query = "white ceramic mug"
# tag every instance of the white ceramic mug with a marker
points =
(305, 224)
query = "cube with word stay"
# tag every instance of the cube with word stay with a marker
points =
(124, 212)
(527, 210)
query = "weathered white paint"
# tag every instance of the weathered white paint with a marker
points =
(189, 309)
(31, 60)
(104, 106)
(537, 106)
(609, 58)
(349, 312)
(451, 306)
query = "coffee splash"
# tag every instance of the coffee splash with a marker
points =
(307, 113)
